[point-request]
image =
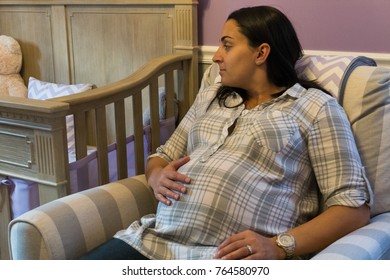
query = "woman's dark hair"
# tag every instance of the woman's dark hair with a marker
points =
(265, 24)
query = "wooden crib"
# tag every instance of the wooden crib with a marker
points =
(128, 49)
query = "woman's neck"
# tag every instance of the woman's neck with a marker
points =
(258, 97)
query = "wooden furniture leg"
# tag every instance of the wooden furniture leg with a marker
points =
(5, 218)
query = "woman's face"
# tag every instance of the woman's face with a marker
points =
(235, 57)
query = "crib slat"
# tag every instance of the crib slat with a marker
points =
(169, 95)
(120, 128)
(138, 134)
(101, 145)
(80, 131)
(154, 114)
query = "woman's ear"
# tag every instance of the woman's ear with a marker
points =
(262, 54)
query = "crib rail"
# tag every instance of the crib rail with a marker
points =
(33, 143)
(144, 81)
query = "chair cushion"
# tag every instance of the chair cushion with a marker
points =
(366, 101)
(330, 71)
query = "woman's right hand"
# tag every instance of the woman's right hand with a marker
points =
(165, 181)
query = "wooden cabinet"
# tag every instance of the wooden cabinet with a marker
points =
(97, 41)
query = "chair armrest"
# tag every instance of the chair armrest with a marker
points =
(68, 227)
(371, 242)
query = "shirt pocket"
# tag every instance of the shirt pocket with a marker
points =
(274, 130)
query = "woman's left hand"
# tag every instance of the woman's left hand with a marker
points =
(248, 245)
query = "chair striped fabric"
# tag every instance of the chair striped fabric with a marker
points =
(371, 242)
(70, 226)
(366, 101)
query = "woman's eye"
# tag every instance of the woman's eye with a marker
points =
(227, 47)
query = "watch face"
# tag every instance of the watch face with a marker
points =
(286, 239)
(287, 242)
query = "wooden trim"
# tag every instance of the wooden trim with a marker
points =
(97, 2)
(60, 45)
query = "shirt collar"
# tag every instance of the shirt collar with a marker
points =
(295, 91)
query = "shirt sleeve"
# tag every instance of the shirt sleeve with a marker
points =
(335, 159)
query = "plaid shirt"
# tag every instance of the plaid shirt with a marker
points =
(266, 176)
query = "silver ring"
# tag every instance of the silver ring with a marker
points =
(250, 249)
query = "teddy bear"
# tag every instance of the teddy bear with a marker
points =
(11, 82)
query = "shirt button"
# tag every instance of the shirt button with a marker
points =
(244, 112)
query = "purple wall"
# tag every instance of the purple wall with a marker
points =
(335, 25)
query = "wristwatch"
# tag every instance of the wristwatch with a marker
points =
(287, 242)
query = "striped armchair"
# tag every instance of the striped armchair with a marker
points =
(70, 226)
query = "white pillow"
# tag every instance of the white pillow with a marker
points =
(43, 90)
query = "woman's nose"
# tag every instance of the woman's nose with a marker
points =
(217, 57)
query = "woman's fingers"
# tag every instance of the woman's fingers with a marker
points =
(247, 245)
(169, 186)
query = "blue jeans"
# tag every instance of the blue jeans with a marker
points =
(114, 249)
